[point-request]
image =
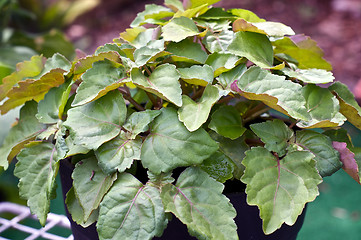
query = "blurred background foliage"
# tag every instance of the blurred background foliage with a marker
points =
(30, 27)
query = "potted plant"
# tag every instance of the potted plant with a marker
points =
(189, 99)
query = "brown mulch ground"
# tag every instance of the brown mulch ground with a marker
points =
(334, 24)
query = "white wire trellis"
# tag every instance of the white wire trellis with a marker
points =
(21, 213)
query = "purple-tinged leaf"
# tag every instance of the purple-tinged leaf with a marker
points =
(348, 159)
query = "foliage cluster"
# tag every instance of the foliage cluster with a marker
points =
(220, 94)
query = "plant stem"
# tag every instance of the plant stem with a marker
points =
(147, 70)
(127, 96)
(151, 98)
(203, 46)
(225, 99)
(255, 112)
(198, 93)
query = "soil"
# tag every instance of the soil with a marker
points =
(334, 24)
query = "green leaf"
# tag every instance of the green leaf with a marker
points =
(131, 210)
(90, 185)
(160, 180)
(144, 37)
(227, 122)
(198, 202)
(255, 47)
(222, 62)
(276, 92)
(304, 50)
(197, 3)
(102, 78)
(313, 75)
(163, 82)
(215, 26)
(130, 34)
(110, 47)
(164, 148)
(218, 166)
(56, 61)
(218, 42)
(26, 69)
(323, 108)
(187, 51)
(198, 75)
(234, 150)
(246, 15)
(178, 29)
(348, 105)
(138, 122)
(275, 134)
(339, 135)
(152, 50)
(100, 120)
(36, 170)
(77, 212)
(227, 78)
(327, 158)
(152, 11)
(280, 188)
(194, 114)
(51, 108)
(347, 157)
(118, 154)
(215, 13)
(23, 132)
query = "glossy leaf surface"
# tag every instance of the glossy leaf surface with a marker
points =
(323, 108)
(275, 134)
(255, 47)
(327, 158)
(234, 150)
(218, 166)
(227, 122)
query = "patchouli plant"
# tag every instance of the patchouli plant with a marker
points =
(218, 95)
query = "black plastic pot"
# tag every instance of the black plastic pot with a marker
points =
(247, 219)
(79, 233)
